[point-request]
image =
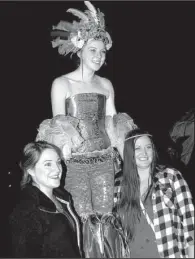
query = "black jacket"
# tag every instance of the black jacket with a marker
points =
(38, 231)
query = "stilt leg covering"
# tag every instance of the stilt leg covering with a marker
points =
(103, 237)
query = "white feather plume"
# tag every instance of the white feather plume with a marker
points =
(78, 13)
(92, 10)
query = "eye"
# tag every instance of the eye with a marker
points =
(103, 52)
(137, 148)
(48, 164)
(149, 147)
(92, 50)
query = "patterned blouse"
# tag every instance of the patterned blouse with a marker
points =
(173, 213)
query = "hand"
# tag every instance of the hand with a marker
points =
(66, 151)
(191, 251)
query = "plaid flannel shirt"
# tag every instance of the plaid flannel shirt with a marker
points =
(173, 212)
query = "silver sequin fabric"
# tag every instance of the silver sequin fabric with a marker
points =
(90, 171)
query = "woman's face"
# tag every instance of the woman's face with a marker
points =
(93, 54)
(143, 152)
(48, 170)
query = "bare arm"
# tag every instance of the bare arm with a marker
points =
(59, 91)
(110, 105)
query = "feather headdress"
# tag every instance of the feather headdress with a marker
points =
(70, 37)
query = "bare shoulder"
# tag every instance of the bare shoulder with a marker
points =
(60, 82)
(106, 83)
(60, 85)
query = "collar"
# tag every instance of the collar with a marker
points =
(41, 200)
(162, 179)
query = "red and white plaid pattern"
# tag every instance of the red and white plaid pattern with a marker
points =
(173, 213)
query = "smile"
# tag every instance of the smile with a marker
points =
(54, 177)
(96, 62)
(143, 158)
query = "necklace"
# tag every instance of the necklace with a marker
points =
(145, 189)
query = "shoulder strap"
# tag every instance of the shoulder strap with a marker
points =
(146, 215)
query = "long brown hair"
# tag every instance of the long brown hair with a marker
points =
(129, 205)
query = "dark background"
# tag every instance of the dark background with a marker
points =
(151, 66)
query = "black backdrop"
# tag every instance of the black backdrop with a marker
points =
(151, 66)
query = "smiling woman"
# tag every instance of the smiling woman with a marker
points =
(43, 223)
(47, 172)
(155, 203)
(143, 152)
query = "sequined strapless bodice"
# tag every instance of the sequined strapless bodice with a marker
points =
(90, 109)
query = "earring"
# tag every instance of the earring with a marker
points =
(79, 54)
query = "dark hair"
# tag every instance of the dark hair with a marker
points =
(31, 155)
(129, 205)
